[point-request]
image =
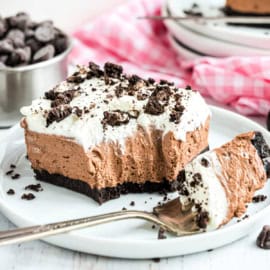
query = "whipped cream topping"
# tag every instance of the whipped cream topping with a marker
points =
(97, 95)
(205, 189)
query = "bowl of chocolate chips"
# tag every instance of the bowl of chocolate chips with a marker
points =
(33, 58)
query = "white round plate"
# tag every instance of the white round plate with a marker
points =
(247, 36)
(207, 45)
(185, 52)
(125, 239)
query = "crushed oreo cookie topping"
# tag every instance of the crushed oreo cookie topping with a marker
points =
(202, 219)
(115, 118)
(115, 104)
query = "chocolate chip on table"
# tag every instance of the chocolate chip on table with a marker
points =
(28, 196)
(45, 53)
(263, 239)
(11, 191)
(45, 32)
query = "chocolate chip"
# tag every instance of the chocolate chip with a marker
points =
(6, 46)
(202, 219)
(205, 162)
(33, 44)
(17, 37)
(19, 21)
(16, 176)
(3, 27)
(113, 70)
(115, 118)
(58, 114)
(124, 209)
(161, 234)
(259, 198)
(11, 191)
(263, 239)
(12, 166)
(60, 44)
(156, 260)
(28, 196)
(45, 53)
(3, 60)
(45, 33)
(188, 87)
(34, 187)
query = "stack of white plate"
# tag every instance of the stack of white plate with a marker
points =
(194, 39)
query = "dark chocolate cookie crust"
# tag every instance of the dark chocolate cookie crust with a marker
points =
(105, 194)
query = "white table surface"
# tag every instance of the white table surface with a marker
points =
(242, 254)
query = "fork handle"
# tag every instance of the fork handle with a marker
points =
(41, 231)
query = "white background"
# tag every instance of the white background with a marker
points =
(37, 255)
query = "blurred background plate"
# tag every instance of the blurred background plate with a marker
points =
(184, 51)
(257, 37)
(206, 45)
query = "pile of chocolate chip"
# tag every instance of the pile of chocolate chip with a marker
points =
(24, 42)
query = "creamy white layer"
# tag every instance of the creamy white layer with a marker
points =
(209, 192)
(88, 130)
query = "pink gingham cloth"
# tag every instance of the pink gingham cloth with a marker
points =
(142, 47)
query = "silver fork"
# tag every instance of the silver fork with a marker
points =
(172, 217)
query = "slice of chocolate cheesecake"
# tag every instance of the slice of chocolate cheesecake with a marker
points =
(222, 181)
(104, 133)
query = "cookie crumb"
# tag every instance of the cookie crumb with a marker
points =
(16, 176)
(161, 234)
(28, 196)
(11, 191)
